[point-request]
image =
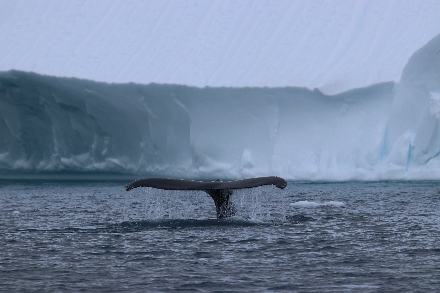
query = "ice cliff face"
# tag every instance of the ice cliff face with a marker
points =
(54, 124)
(412, 136)
(384, 131)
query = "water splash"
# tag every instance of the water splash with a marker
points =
(266, 204)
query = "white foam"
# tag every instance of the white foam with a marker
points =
(305, 204)
(313, 204)
(334, 203)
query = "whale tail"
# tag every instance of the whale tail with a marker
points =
(223, 204)
(219, 191)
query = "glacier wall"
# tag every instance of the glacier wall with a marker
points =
(383, 131)
(412, 137)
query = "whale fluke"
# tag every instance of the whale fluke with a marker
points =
(179, 184)
(219, 191)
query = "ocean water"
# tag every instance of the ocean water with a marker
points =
(309, 237)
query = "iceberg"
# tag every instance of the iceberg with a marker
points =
(383, 131)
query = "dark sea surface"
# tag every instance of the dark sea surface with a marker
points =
(310, 237)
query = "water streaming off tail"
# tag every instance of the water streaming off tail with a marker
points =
(262, 204)
(154, 204)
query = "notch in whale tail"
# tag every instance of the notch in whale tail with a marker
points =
(219, 191)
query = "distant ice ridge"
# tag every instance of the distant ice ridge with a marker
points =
(384, 131)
